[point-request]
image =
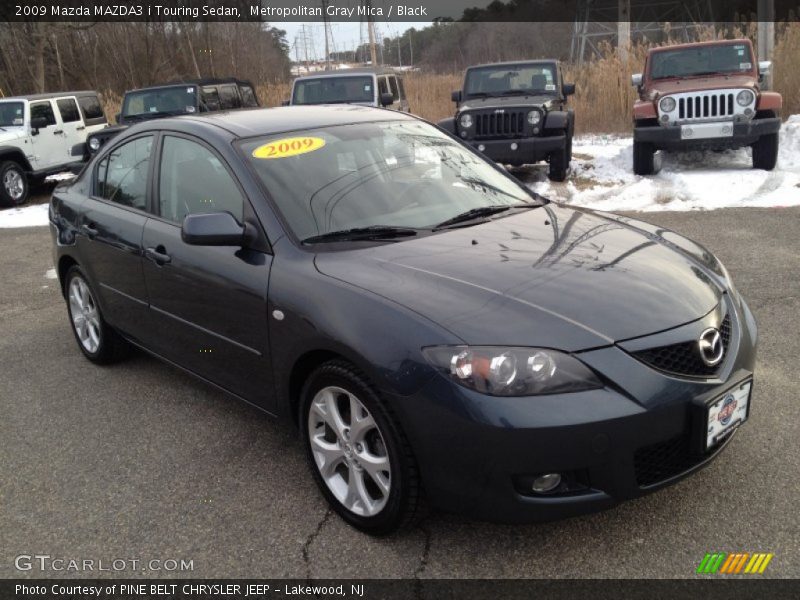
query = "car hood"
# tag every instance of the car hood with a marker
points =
(11, 134)
(551, 276)
(656, 89)
(506, 101)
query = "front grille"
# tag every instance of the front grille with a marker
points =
(705, 106)
(500, 124)
(664, 460)
(684, 358)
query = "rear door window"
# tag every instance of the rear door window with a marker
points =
(393, 88)
(228, 97)
(383, 88)
(122, 174)
(68, 109)
(209, 97)
(248, 96)
(91, 109)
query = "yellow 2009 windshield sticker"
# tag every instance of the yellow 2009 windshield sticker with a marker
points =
(288, 147)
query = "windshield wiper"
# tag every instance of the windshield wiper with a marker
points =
(521, 92)
(373, 232)
(481, 95)
(473, 213)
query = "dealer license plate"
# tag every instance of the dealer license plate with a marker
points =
(727, 413)
(704, 131)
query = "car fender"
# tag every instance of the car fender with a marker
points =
(448, 125)
(15, 154)
(556, 119)
(644, 109)
(769, 101)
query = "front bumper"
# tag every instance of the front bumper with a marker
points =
(528, 150)
(669, 138)
(640, 433)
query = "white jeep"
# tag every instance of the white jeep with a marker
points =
(37, 135)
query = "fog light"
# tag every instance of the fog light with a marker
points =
(546, 483)
(514, 146)
(463, 134)
(664, 118)
(688, 132)
(481, 147)
(748, 111)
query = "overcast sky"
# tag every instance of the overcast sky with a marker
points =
(346, 36)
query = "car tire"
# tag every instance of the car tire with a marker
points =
(559, 163)
(643, 158)
(374, 500)
(96, 339)
(13, 184)
(765, 152)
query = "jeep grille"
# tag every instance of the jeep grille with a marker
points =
(499, 124)
(706, 106)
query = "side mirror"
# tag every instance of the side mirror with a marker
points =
(38, 123)
(80, 149)
(456, 96)
(387, 99)
(568, 89)
(764, 69)
(636, 80)
(212, 229)
(286, 102)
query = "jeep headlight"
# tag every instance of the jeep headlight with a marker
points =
(94, 144)
(744, 98)
(534, 117)
(667, 104)
(503, 371)
(466, 121)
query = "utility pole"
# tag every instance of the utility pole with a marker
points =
(371, 30)
(305, 45)
(411, 47)
(766, 34)
(624, 29)
(326, 25)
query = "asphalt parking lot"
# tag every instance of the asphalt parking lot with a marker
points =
(142, 461)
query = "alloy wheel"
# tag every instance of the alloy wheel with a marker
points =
(13, 184)
(85, 318)
(349, 451)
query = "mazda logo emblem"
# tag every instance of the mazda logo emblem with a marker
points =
(710, 345)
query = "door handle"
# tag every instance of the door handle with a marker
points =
(89, 230)
(80, 128)
(56, 131)
(158, 255)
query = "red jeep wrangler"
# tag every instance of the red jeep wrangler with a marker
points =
(705, 95)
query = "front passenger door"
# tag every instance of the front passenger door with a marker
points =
(208, 303)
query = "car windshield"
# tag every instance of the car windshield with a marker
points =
(387, 174)
(12, 114)
(156, 102)
(701, 60)
(509, 79)
(334, 90)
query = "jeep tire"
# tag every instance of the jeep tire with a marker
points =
(643, 158)
(13, 184)
(559, 162)
(765, 152)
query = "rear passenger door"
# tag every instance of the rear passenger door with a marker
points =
(71, 124)
(208, 303)
(110, 235)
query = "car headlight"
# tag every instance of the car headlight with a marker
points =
(744, 98)
(466, 121)
(94, 144)
(667, 104)
(501, 371)
(534, 117)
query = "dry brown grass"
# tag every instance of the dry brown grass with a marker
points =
(604, 98)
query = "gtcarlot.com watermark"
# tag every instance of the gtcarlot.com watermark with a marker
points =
(45, 562)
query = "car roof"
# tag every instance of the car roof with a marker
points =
(50, 95)
(345, 72)
(701, 44)
(516, 62)
(250, 122)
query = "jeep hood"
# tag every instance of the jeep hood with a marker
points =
(506, 101)
(656, 89)
(550, 276)
(10, 134)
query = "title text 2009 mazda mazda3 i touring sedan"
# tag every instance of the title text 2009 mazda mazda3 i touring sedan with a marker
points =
(431, 326)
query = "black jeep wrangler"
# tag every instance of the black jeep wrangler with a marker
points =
(171, 99)
(516, 113)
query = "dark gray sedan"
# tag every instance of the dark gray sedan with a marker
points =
(433, 328)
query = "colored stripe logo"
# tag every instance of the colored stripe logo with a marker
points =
(735, 563)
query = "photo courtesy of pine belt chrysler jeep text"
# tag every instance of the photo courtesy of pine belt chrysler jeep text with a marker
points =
(436, 331)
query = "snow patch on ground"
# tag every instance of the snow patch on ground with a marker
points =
(51, 273)
(602, 177)
(34, 215)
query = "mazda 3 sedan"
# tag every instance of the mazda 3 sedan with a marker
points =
(434, 329)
